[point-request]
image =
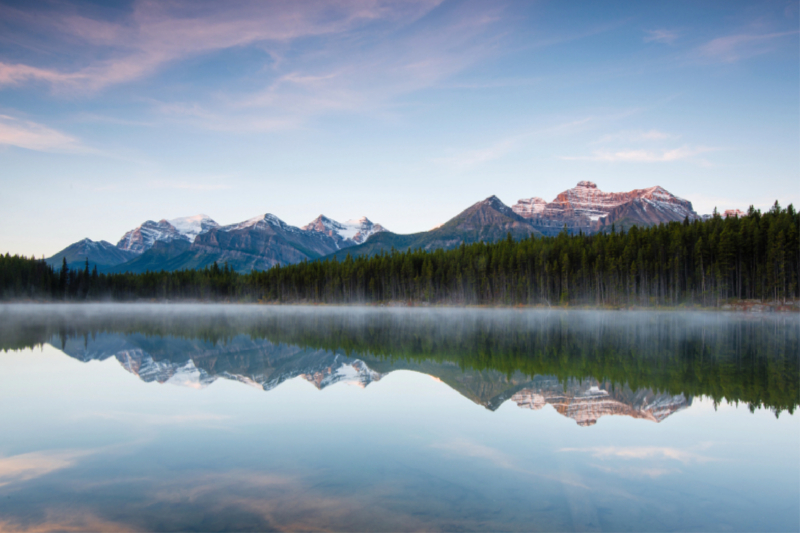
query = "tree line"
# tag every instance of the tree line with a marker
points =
(691, 262)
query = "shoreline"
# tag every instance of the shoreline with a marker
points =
(737, 306)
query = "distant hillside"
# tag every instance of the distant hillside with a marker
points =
(101, 254)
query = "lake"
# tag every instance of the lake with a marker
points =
(218, 418)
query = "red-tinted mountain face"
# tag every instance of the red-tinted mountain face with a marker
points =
(586, 208)
(585, 401)
(734, 213)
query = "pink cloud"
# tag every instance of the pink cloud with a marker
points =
(33, 136)
(332, 70)
(157, 33)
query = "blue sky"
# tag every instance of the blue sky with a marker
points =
(406, 112)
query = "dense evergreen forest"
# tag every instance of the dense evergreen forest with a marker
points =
(700, 262)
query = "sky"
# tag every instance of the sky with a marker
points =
(112, 114)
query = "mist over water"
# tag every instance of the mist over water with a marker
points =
(226, 417)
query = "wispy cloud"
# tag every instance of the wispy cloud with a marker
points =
(645, 452)
(661, 36)
(636, 136)
(320, 57)
(368, 75)
(27, 466)
(467, 159)
(735, 47)
(633, 472)
(471, 158)
(471, 449)
(645, 156)
(157, 33)
(191, 183)
(159, 419)
(34, 136)
(188, 185)
(475, 450)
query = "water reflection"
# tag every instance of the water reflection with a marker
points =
(435, 432)
(585, 364)
(265, 365)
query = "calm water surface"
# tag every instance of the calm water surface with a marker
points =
(210, 418)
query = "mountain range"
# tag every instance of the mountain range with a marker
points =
(265, 241)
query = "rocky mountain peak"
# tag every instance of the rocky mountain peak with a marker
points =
(495, 204)
(493, 201)
(587, 208)
(734, 213)
(142, 238)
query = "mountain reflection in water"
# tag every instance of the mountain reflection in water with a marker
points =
(265, 365)
(585, 364)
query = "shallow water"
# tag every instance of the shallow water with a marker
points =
(206, 418)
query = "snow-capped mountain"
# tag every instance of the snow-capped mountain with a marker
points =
(257, 243)
(586, 208)
(261, 222)
(142, 238)
(354, 231)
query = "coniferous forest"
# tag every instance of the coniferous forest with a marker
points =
(700, 263)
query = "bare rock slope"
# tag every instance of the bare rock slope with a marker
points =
(588, 209)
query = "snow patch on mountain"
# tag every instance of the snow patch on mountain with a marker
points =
(193, 226)
(352, 372)
(262, 221)
(355, 230)
(529, 207)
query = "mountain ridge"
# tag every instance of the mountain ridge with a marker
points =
(488, 220)
(265, 241)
